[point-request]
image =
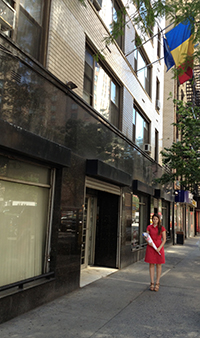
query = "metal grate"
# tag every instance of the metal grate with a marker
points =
(193, 87)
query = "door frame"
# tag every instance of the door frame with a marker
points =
(95, 184)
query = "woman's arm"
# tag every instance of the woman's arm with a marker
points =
(150, 244)
(163, 241)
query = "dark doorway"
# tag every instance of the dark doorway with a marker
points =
(106, 229)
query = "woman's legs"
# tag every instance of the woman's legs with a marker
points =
(158, 273)
(151, 272)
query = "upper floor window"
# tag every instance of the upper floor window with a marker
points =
(112, 11)
(142, 69)
(100, 90)
(144, 17)
(141, 127)
(30, 26)
(30, 31)
(159, 44)
(156, 145)
(157, 94)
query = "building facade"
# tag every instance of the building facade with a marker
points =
(79, 146)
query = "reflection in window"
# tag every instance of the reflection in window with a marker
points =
(34, 8)
(159, 44)
(109, 13)
(28, 34)
(135, 221)
(140, 129)
(102, 92)
(139, 137)
(30, 29)
(140, 67)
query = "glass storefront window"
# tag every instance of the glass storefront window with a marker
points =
(17, 170)
(135, 221)
(24, 220)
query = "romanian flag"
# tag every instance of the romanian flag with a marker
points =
(179, 49)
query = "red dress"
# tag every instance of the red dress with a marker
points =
(152, 255)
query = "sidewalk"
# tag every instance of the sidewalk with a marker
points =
(121, 305)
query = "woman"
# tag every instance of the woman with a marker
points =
(158, 235)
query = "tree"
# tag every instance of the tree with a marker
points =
(183, 158)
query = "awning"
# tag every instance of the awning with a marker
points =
(103, 171)
(143, 187)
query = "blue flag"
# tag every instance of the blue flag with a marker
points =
(169, 61)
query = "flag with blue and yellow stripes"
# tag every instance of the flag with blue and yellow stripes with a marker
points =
(179, 49)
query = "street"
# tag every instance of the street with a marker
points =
(121, 304)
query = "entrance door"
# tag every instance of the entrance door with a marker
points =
(106, 230)
(89, 232)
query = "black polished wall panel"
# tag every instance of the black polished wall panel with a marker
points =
(70, 227)
(19, 302)
(35, 104)
(22, 141)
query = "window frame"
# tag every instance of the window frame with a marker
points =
(91, 94)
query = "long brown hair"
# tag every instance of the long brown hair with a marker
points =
(159, 223)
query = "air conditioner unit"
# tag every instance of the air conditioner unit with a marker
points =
(147, 148)
(97, 4)
(158, 104)
(7, 16)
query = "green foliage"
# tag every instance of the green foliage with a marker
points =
(183, 158)
(148, 13)
(82, 2)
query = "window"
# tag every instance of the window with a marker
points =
(135, 221)
(156, 145)
(31, 26)
(100, 90)
(157, 94)
(159, 44)
(139, 219)
(144, 17)
(24, 200)
(140, 129)
(140, 67)
(111, 11)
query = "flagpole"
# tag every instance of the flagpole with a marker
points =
(149, 64)
(148, 40)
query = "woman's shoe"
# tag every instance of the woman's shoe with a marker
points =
(157, 287)
(151, 287)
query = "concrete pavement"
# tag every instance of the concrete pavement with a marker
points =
(121, 305)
